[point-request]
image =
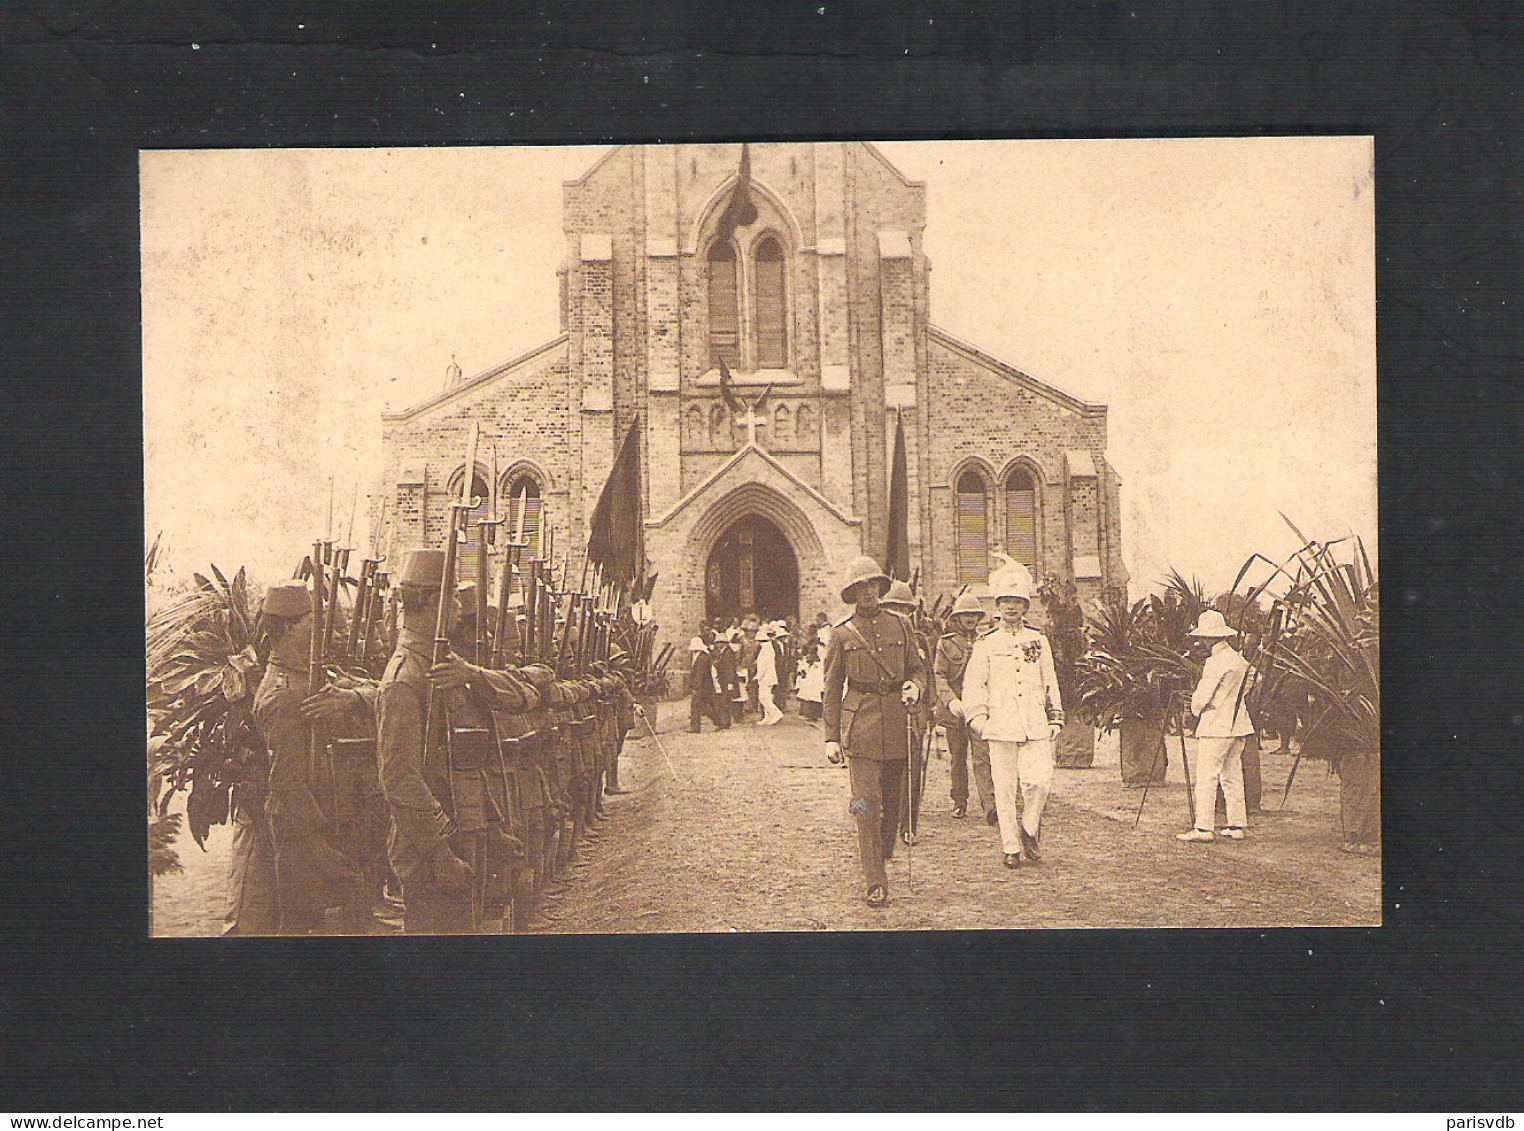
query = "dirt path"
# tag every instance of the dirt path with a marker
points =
(753, 835)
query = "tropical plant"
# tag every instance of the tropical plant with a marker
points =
(204, 658)
(1322, 646)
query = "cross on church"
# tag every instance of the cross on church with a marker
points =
(751, 420)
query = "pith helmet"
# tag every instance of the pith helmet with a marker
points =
(863, 569)
(967, 603)
(422, 568)
(1011, 580)
(1212, 624)
(900, 594)
(289, 599)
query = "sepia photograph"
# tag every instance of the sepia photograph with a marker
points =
(761, 537)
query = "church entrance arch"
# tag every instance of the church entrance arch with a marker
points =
(751, 567)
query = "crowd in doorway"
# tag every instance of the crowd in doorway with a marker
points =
(746, 669)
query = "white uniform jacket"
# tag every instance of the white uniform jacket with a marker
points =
(1219, 697)
(1010, 678)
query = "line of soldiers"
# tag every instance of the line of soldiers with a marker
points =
(455, 786)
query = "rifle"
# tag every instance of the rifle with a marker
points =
(507, 623)
(485, 530)
(463, 505)
(368, 610)
(361, 607)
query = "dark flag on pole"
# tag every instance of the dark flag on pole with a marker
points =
(740, 211)
(617, 539)
(897, 556)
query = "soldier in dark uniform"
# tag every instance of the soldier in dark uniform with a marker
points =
(963, 745)
(311, 874)
(901, 600)
(443, 829)
(872, 673)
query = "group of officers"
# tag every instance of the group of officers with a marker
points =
(447, 792)
(996, 695)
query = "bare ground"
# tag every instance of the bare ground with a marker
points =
(748, 831)
(752, 834)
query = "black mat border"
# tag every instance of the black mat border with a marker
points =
(94, 1016)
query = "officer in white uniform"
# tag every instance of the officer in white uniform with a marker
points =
(1011, 700)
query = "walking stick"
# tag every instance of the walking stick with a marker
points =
(1153, 769)
(909, 784)
(1190, 789)
(652, 731)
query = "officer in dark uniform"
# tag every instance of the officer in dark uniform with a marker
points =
(963, 745)
(873, 672)
(443, 828)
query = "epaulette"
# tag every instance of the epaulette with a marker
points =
(989, 631)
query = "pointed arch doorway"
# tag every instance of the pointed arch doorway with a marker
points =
(751, 567)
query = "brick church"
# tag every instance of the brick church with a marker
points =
(824, 296)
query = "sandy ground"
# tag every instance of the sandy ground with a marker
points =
(748, 831)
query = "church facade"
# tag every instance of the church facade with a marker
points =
(822, 302)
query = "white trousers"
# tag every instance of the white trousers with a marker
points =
(1219, 759)
(1026, 767)
(770, 712)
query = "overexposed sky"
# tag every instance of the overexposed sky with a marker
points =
(1218, 295)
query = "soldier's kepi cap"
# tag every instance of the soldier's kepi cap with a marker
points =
(421, 568)
(288, 599)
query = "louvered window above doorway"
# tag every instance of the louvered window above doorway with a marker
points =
(724, 306)
(772, 320)
(1021, 518)
(973, 543)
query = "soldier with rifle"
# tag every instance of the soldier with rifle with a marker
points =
(293, 709)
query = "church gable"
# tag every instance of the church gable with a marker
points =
(998, 413)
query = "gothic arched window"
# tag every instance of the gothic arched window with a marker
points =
(772, 308)
(1021, 518)
(719, 427)
(804, 426)
(781, 437)
(973, 543)
(724, 306)
(698, 431)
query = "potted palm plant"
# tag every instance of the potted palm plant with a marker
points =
(203, 669)
(1066, 636)
(1323, 646)
(1135, 671)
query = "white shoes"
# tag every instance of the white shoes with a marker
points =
(1232, 833)
(1196, 835)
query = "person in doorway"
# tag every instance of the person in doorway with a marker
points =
(811, 677)
(702, 683)
(746, 669)
(1011, 700)
(723, 654)
(767, 676)
(1223, 728)
(963, 746)
(873, 674)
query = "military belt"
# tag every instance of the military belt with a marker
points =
(875, 687)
